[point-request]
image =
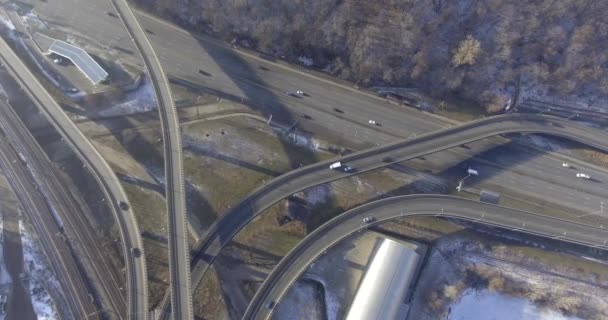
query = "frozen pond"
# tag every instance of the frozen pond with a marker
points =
(483, 305)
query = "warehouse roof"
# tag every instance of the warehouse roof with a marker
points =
(81, 59)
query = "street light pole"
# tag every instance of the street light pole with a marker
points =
(546, 110)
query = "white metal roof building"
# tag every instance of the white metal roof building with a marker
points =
(385, 285)
(81, 59)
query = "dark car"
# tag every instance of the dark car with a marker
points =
(136, 252)
(123, 205)
(338, 110)
(111, 14)
(270, 305)
(387, 159)
(203, 72)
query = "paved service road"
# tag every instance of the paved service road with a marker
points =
(308, 250)
(179, 252)
(229, 224)
(129, 232)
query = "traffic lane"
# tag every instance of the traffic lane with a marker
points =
(292, 266)
(230, 71)
(352, 124)
(111, 187)
(87, 18)
(490, 159)
(538, 175)
(233, 221)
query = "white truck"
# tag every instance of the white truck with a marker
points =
(335, 165)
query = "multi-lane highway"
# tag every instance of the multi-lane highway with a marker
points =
(179, 252)
(229, 224)
(235, 73)
(131, 239)
(315, 244)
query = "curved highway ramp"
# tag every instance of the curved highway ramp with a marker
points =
(229, 224)
(137, 286)
(179, 253)
(296, 262)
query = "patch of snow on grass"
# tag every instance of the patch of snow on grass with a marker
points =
(7, 22)
(44, 306)
(317, 195)
(481, 305)
(141, 100)
(5, 278)
(34, 21)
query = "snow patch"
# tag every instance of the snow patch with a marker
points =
(545, 143)
(481, 305)
(307, 61)
(317, 195)
(7, 22)
(34, 21)
(43, 304)
(141, 100)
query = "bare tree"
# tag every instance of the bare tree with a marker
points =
(468, 50)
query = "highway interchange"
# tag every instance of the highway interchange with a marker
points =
(179, 252)
(229, 224)
(110, 185)
(297, 261)
(233, 77)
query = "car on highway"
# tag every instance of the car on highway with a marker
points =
(136, 252)
(387, 159)
(347, 169)
(335, 165)
(368, 219)
(270, 305)
(111, 14)
(373, 122)
(203, 72)
(565, 165)
(123, 205)
(583, 175)
(338, 110)
(300, 92)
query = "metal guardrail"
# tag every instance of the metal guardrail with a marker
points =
(179, 262)
(316, 243)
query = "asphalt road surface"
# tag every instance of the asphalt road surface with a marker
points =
(179, 252)
(295, 263)
(137, 290)
(229, 224)
(235, 75)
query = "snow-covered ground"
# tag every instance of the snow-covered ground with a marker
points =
(544, 143)
(141, 100)
(482, 305)
(44, 306)
(6, 21)
(5, 278)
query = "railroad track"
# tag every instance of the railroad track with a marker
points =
(59, 197)
(179, 253)
(137, 292)
(73, 282)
